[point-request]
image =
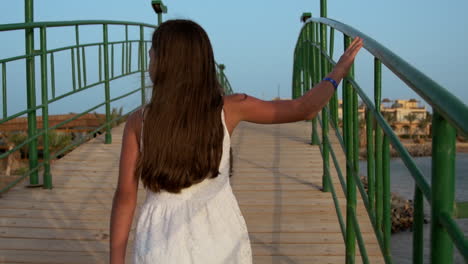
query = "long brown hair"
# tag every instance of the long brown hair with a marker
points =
(182, 132)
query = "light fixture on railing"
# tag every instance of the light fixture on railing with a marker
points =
(305, 16)
(159, 8)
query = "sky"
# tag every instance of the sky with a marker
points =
(256, 39)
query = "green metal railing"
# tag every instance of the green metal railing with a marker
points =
(312, 61)
(223, 80)
(108, 71)
(79, 63)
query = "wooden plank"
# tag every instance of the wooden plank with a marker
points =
(277, 182)
(271, 173)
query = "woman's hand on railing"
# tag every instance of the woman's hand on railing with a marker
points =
(346, 60)
(317, 98)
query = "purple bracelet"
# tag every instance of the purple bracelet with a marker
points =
(335, 84)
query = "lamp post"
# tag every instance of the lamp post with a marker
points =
(31, 93)
(222, 79)
(305, 16)
(159, 8)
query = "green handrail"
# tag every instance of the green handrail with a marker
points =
(106, 67)
(79, 83)
(311, 62)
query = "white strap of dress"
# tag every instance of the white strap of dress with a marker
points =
(141, 131)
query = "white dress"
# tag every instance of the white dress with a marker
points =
(201, 225)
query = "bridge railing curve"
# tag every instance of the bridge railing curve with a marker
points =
(312, 61)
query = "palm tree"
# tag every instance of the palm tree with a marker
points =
(411, 117)
(424, 123)
(57, 141)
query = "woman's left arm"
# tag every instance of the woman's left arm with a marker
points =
(125, 196)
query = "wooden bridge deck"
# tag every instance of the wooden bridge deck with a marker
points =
(277, 181)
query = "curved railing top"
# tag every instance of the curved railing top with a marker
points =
(444, 102)
(17, 26)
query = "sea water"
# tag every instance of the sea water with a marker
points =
(402, 184)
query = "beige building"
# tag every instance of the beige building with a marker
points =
(400, 109)
(399, 113)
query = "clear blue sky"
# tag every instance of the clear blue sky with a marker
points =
(255, 39)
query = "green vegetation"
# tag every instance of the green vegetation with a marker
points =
(411, 118)
(57, 141)
(115, 117)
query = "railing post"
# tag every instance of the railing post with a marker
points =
(73, 71)
(370, 159)
(317, 73)
(334, 99)
(299, 73)
(31, 93)
(301, 66)
(312, 68)
(304, 63)
(325, 126)
(4, 91)
(83, 57)
(100, 62)
(293, 93)
(418, 232)
(142, 65)
(307, 82)
(293, 85)
(443, 187)
(112, 61)
(47, 177)
(78, 60)
(378, 146)
(299, 69)
(348, 105)
(108, 139)
(297, 79)
(386, 197)
(52, 74)
(124, 56)
(127, 51)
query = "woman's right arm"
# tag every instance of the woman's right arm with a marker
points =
(306, 107)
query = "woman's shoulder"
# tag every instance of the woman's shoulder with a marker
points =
(233, 101)
(134, 121)
(232, 109)
(234, 98)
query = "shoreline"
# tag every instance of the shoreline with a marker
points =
(416, 150)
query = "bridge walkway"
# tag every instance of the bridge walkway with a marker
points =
(276, 178)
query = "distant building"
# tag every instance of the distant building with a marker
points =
(400, 109)
(404, 116)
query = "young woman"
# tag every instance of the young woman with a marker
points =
(178, 146)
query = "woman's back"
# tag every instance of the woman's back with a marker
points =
(201, 224)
